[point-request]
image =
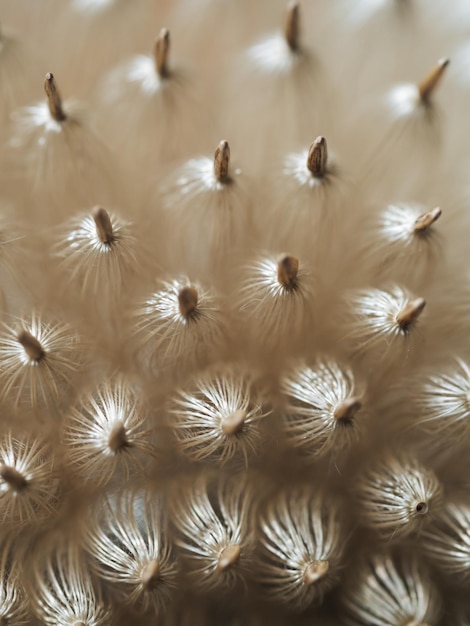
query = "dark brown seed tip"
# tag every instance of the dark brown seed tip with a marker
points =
(315, 571)
(347, 409)
(287, 271)
(151, 575)
(292, 26)
(161, 53)
(228, 557)
(117, 439)
(424, 221)
(317, 159)
(410, 313)
(31, 346)
(13, 477)
(53, 98)
(422, 508)
(233, 423)
(222, 161)
(104, 228)
(428, 85)
(187, 301)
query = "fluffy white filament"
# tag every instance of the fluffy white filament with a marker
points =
(301, 542)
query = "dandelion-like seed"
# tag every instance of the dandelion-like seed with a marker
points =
(215, 534)
(309, 198)
(301, 548)
(207, 200)
(383, 322)
(398, 497)
(404, 243)
(218, 416)
(413, 128)
(58, 163)
(387, 592)
(62, 589)
(182, 325)
(320, 408)
(276, 302)
(107, 435)
(447, 542)
(29, 485)
(440, 402)
(97, 255)
(38, 362)
(159, 106)
(128, 541)
(13, 602)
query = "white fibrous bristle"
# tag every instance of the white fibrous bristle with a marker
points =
(390, 591)
(14, 605)
(308, 202)
(127, 539)
(16, 76)
(56, 163)
(286, 92)
(234, 312)
(439, 402)
(382, 325)
(276, 304)
(96, 261)
(322, 406)
(447, 542)
(40, 362)
(150, 112)
(301, 543)
(62, 589)
(399, 497)
(29, 483)
(179, 327)
(215, 534)
(404, 244)
(108, 435)
(218, 416)
(408, 139)
(207, 202)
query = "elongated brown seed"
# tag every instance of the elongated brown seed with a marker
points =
(187, 301)
(424, 221)
(317, 159)
(162, 53)
(104, 227)
(292, 26)
(222, 161)
(410, 313)
(13, 477)
(428, 85)
(228, 557)
(31, 346)
(287, 271)
(315, 571)
(53, 98)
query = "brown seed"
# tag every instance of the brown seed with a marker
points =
(347, 409)
(287, 271)
(428, 85)
(292, 26)
(161, 53)
(151, 575)
(317, 159)
(424, 221)
(315, 571)
(187, 300)
(233, 423)
(228, 557)
(104, 227)
(410, 313)
(117, 439)
(31, 346)
(13, 477)
(53, 98)
(222, 161)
